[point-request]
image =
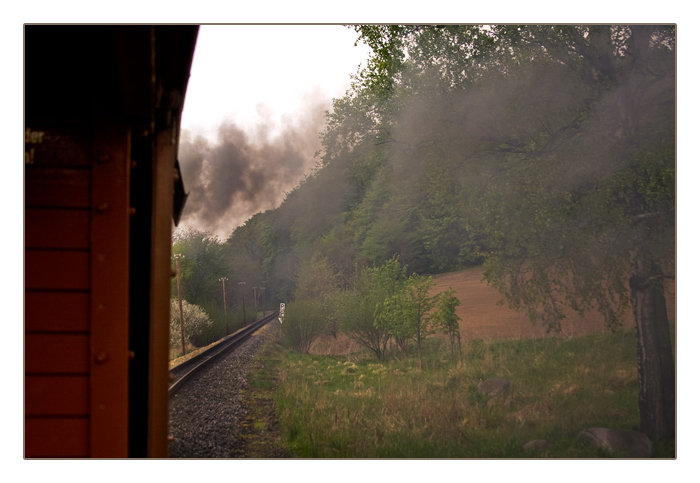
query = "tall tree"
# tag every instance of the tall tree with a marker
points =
(204, 262)
(420, 303)
(567, 138)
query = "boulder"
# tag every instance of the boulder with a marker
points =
(535, 445)
(620, 442)
(494, 387)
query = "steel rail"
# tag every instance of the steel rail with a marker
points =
(182, 372)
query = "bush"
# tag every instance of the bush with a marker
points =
(195, 321)
(354, 314)
(360, 311)
(304, 321)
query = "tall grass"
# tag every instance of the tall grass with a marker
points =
(357, 407)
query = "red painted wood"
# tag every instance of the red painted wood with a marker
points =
(56, 437)
(56, 354)
(109, 297)
(57, 228)
(47, 270)
(56, 395)
(56, 312)
(66, 188)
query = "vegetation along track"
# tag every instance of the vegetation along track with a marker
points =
(182, 372)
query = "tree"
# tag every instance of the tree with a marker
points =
(315, 279)
(446, 319)
(315, 282)
(201, 267)
(606, 235)
(420, 305)
(406, 312)
(354, 314)
(567, 134)
(359, 310)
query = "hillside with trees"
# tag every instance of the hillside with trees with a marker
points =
(545, 154)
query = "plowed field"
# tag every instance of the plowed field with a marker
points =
(483, 318)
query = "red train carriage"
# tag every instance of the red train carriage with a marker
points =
(102, 117)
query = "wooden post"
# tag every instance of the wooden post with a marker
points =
(262, 289)
(179, 301)
(243, 297)
(255, 299)
(109, 294)
(223, 284)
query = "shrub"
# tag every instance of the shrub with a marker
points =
(360, 311)
(195, 321)
(303, 323)
(446, 319)
(354, 314)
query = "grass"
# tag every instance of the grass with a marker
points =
(259, 434)
(356, 407)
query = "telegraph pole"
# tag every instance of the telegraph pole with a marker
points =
(179, 301)
(255, 298)
(223, 284)
(243, 297)
(263, 297)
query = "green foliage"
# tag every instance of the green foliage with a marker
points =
(446, 319)
(315, 279)
(205, 261)
(353, 314)
(201, 266)
(540, 151)
(404, 312)
(360, 311)
(545, 152)
(566, 140)
(222, 323)
(304, 321)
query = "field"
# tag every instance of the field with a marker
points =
(484, 319)
(358, 407)
(339, 401)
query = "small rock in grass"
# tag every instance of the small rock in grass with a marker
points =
(622, 442)
(535, 445)
(494, 387)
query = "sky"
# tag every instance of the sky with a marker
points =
(254, 108)
(240, 72)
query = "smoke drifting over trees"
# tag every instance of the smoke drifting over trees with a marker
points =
(242, 173)
(544, 153)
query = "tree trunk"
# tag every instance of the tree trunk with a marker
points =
(420, 355)
(459, 343)
(655, 363)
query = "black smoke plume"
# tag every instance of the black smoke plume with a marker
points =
(242, 173)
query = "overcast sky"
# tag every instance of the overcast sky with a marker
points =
(248, 73)
(254, 109)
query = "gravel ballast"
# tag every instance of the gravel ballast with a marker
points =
(205, 414)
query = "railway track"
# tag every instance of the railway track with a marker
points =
(182, 372)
